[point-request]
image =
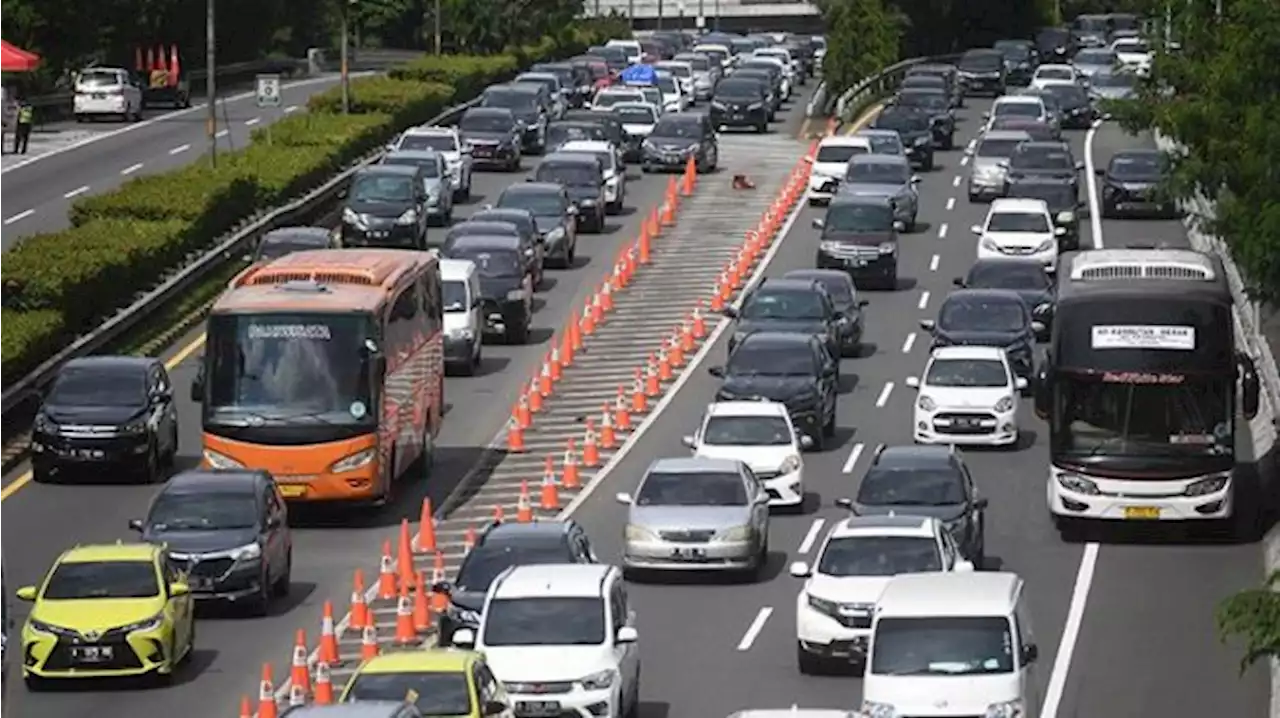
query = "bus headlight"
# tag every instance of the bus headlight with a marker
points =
(220, 461)
(1078, 484)
(1204, 487)
(354, 461)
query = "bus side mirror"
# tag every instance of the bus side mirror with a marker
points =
(197, 386)
(1249, 387)
(1042, 391)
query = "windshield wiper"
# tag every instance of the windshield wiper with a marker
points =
(254, 418)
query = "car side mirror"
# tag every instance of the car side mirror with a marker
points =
(1079, 166)
(800, 569)
(862, 303)
(464, 638)
(806, 442)
(573, 211)
(197, 387)
(179, 588)
(809, 159)
(963, 566)
(465, 151)
(928, 325)
(1059, 231)
(342, 193)
(1100, 171)
(1037, 327)
(716, 371)
(915, 179)
(899, 225)
(968, 152)
(626, 634)
(913, 382)
(26, 593)
(846, 504)
(623, 497)
(981, 503)
(986, 115)
(1030, 653)
(958, 282)
(274, 522)
(494, 708)
(818, 223)
(488, 206)
(136, 525)
(1021, 384)
(690, 441)
(730, 311)
(390, 147)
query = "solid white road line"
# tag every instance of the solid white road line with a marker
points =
(221, 133)
(955, 181)
(290, 109)
(924, 300)
(951, 202)
(251, 123)
(753, 631)
(884, 395)
(179, 149)
(1091, 185)
(964, 160)
(131, 168)
(77, 191)
(942, 231)
(908, 343)
(1070, 632)
(853, 459)
(933, 263)
(20, 216)
(811, 537)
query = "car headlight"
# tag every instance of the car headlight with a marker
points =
(587, 202)
(926, 403)
(49, 628)
(792, 463)
(354, 461)
(875, 709)
(464, 615)
(247, 552)
(649, 146)
(599, 680)
(1066, 217)
(1042, 308)
(737, 533)
(1006, 709)
(516, 295)
(718, 105)
(922, 141)
(635, 532)
(555, 235)
(1078, 484)
(888, 247)
(45, 425)
(1211, 485)
(464, 333)
(990, 245)
(1047, 245)
(827, 246)
(1005, 404)
(409, 217)
(135, 428)
(822, 605)
(220, 461)
(352, 217)
(756, 106)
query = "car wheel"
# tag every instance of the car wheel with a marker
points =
(171, 455)
(829, 427)
(260, 604)
(819, 440)
(152, 472)
(285, 582)
(808, 663)
(973, 198)
(469, 368)
(762, 128)
(928, 164)
(518, 334)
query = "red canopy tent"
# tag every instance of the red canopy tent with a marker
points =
(14, 59)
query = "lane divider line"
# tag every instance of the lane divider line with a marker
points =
(933, 263)
(854, 454)
(951, 202)
(76, 192)
(884, 395)
(252, 122)
(909, 342)
(955, 181)
(131, 168)
(942, 231)
(811, 538)
(20, 216)
(924, 300)
(179, 149)
(753, 631)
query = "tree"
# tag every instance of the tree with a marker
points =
(1254, 615)
(862, 38)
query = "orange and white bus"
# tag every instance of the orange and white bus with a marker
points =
(326, 368)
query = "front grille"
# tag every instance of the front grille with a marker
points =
(852, 251)
(863, 621)
(687, 536)
(211, 568)
(1017, 251)
(965, 423)
(533, 688)
(61, 658)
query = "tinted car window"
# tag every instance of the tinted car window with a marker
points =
(701, 488)
(484, 564)
(879, 556)
(859, 218)
(914, 486)
(99, 386)
(750, 360)
(981, 61)
(485, 123)
(490, 261)
(204, 511)
(1018, 222)
(1135, 166)
(539, 203)
(436, 694)
(382, 188)
(678, 127)
(986, 314)
(574, 175)
(746, 430)
(103, 579)
(879, 172)
(545, 622)
(971, 373)
(1008, 275)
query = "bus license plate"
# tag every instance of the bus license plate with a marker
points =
(293, 491)
(1142, 512)
(93, 654)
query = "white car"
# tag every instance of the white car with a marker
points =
(722, 50)
(683, 71)
(831, 162)
(610, 97)
(561, 638)
(781, 54)
(1021, 228)
(107, 91)
(884, 142)
(447, 142)
(761, 435)
(1058, 72)
(856, 561)
(968, 395)
(1028, 107)
(615, 175)
(674, 98)
(632, 47)
(1132, 54)
(763, 62)
(637, 118)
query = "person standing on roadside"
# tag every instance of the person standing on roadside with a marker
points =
(22, 130)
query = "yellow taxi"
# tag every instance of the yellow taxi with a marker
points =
(111, 610)
(441, 682)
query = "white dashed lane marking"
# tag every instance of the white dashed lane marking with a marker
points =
(179, 149)
(884, 395)
(76, 192)
(753, 631)
(131, 169)
(20, 216)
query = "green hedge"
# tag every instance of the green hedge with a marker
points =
(121, 243)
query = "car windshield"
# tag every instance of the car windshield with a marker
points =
(276, 247)
(1018, 222)
(559, 621)
(571, 175)
(652, 95)
(632, 115)
(609, 99)
(1042, 157)
(99, 386)
(902, 120)
(289, 367)
(885, 144)
(1130, 46)
(1095, 57)
(967, 373)
(911, 486)
(540, 204)
(678, 127)
(983, 315)
(430, 168)
(878, 173)
(454, 294)
(434, 694)
(420, 143)
(858, 218)
(1193, 418)
(208, 511)
(1135, 166)
(739, 90)
(1069, 95)
(490, 261)
(1018, 109)
(750, 360)
(102, 579)
(879, 556)
(698, 62)
(926, 100)
(747, 431)
(695, 488)
(786, 305)
(560, 133)
(981, 61)
(1055, 73)
(1015, 50)
(509, 99)
(841, 291)
(382, 189)
(666, 83)
(1057, 196)
(1114, 79)
(942, 646)
(678, 70)
(483, 564)
(1008, 275)
(485, 122)
(1000, 148)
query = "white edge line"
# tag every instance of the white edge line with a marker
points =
(1091, 184)
(852, 461)
(131, 168)
(1070, 632)
(810, 538)
(753, 631)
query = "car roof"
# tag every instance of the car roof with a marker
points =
(423, 660)
(1006, 262)
(1017, 204)
(93, 553)
(420, 155)
(487, 241)
(1007, 295)
(537, 75)
(214, 481)
(746, 408)
(844, 141)
(1062, 145)
(479, 226)
(877, 132)
(401, 170)
(859, 199)
(885, 525)
(693, 465)
(1020, 135)
(488, 111)
(968, 352)
(878, 160)
(570, 158)
(788, 339)
(621, 90)
(534, 188)
(635, 105)
(786, 284)
(982, 51)
(515, 531)
(433, 130)
(1019, 99)
(500, 214)
(456, 270)
(111, 363)
(822, 276)
(554, 580)
(921, 595)
(599, 146)
(912, 455)
(528, 88)
(320, 234)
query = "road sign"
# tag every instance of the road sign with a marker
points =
(269, 91)
(700, 22)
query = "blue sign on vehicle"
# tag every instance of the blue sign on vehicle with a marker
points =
(639, 75)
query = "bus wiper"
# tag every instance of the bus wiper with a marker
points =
(249, 418)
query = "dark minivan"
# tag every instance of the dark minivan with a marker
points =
(983, 71)
(741, 102)
(386, 207)
(582, 176)
(860, 236)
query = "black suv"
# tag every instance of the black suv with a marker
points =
(987, 318)
(741, 102)
(506, 287)
(227, 531)
(105, 414)
(499, 547)
(925, 481)
(527, 104)
(1024, 277)
(493, 135)
(844, 296)
(1020, 60)
(679, 136)
(582, 176)
(553, 213)
(915, 127)
(936, 104)
(1051, 160)
(860, 237)
(527, 226)
(794, 369)
(386, 206)
(495, 227)
(1131, 185)
(983, 72)
(788, 305)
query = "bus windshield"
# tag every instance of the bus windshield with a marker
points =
(1141, 414)
(289, 368)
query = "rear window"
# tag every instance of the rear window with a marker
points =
(99, 78)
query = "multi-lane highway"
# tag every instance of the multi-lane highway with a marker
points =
(45, 519)
(70, 160)
(1125, 627)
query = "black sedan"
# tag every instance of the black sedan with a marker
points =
(988, 318)
(1024, 277)
(1131, 185)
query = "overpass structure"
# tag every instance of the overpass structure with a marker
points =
(732, 15)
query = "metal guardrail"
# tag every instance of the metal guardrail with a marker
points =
(879, 85)
(226, 250)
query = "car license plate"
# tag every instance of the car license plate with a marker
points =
(88, 453)
(293, 491)
(200, 583)
(1145, 513)
(537, 709)
(93, 654)
(856, 262)
(379, 234)
(739, 116)
(688, 554)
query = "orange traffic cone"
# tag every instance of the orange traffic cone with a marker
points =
(328, 636)
(557, 364)
(406, 635)
(664, 363)
(267, 707)
(652, 383)
(608, 440)
(639, 402)
(621, 416)
(297, 697)
(675, 352)
(387, 574)
(690, 175)
(404, 556)
(439, 600)
(421, 608)
(524, 505)
(569, 470)
(368, 643)
(359, 608)
(324, 685)
(426, 542)
(515, 437)
(550, 498)
(521, 414)
(590, 450)
(535, 397)
(299, 674)
(497, 514)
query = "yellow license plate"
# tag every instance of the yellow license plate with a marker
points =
(1142, 512)
(293, 491)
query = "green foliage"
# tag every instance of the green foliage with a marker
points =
(1218, 98)
(468, 75)
(208, 200)
(940, 27)
(407, 102)
(862, 37)
(1254, 615)
(29, 337)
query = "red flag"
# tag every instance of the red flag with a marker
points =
(174, 67)
(151, 60)
(137, 60)
(160, 57)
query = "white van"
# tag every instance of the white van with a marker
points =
(463, 321)
(947, 644)
(632, 47)
(107, 91)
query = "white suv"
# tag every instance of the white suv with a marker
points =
(830, 164)
(969, 395)
(562, 639)
(761, 435)
(1020, 228)
(107, 91)
(448, 143)
(858, 558)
